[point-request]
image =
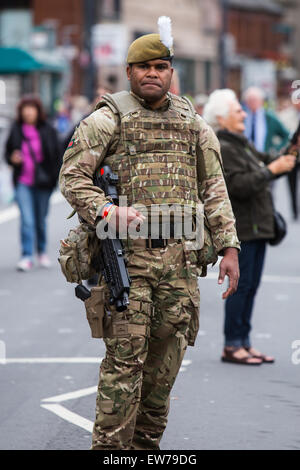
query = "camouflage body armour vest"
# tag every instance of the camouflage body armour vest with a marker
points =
(156, 156)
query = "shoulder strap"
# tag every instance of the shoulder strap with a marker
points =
(122, 102)
(191, 107)
(182, 104)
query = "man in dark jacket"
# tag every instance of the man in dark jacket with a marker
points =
(248, 173)
(262, 126)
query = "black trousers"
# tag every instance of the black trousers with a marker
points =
(293, 187)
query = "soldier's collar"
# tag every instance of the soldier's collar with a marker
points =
(165, 105)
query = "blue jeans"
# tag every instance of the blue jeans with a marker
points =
(238, 307)
(33, 204)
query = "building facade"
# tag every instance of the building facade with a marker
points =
(196, 25)
(91, 38)
(258, 50)
(290, 27)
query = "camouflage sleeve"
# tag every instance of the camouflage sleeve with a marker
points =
(213, 190)
(89, 145)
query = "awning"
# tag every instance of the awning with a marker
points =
(14, 60)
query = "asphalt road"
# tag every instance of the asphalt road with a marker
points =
(48, 380)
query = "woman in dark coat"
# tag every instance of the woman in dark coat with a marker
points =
(248, 174)
(34, 152)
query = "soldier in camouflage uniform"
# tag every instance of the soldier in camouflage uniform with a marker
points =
(158, 146)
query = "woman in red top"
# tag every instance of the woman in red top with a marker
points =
(33, 150)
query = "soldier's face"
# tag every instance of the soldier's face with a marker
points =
(150, 80)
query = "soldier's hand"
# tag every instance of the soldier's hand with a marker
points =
(229, 266)
(126, 215)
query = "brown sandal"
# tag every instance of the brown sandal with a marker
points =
(229, 356)
(263, 357)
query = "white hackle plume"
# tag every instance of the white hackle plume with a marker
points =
(165, 31)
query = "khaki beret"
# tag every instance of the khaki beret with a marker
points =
(148, 47)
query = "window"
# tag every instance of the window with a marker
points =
(186, 71)
(15, 28)
(15, 4)
(110, 9)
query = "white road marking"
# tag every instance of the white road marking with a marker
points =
(282, 297)
(64, 360)
(12, 212)
(9, 214)
(263, 335)
(63, 331)
(267, 278)
(202, 333)
(2, 352)
(74, 418)
(57, 197)
(69, 416)
(281, 279)
(54, 360)
(186, 362)
(71, 395)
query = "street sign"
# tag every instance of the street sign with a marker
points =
(109, 44)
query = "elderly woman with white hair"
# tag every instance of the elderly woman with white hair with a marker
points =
(247, 173)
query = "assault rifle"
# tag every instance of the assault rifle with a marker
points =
(110, 261)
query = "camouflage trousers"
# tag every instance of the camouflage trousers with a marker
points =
(145, 346)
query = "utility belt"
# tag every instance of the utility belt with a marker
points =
(160, 239)
(151, 243)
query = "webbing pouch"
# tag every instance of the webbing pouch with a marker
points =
(95, 311)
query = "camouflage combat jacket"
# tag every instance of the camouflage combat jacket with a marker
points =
(156, 155)
(100, 138)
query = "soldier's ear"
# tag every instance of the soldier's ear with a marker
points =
(128, 71)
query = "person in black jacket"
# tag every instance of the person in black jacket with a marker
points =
(247, 173)
(33, 150)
